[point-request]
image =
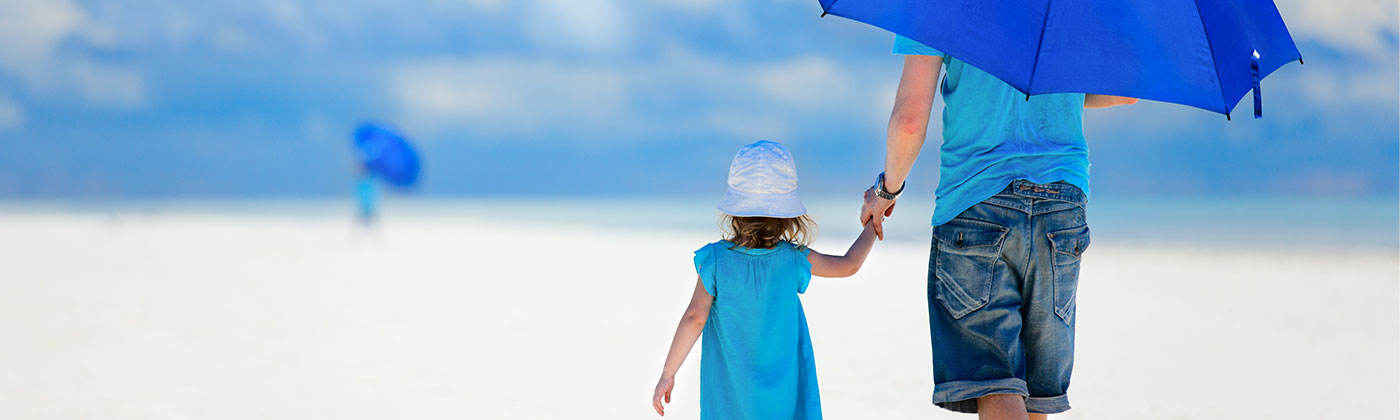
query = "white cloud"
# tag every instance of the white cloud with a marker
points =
(490, 4)
(230, 38)
(699, 94)
(108, 86)
(12, 115)
(808, 83)
(30, 34)
(101, 35)
(695, 5)
(594, 26)
(284, 12)
(1351, 25)
(746, 125)
(289, 16)
(317, 126)
(1370, 86)
(29, 30)
(506, 95)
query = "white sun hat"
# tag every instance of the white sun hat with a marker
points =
(762, 183)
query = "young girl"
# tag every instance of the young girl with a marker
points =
(756, 359)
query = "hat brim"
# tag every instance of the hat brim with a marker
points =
(746, 204)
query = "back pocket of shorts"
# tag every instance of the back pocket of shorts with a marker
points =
(1069, 245)
(966, 253)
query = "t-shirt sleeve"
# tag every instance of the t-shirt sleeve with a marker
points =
(705, 266)
(804, 267)
(906, 46)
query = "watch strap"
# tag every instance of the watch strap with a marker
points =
(883, 192)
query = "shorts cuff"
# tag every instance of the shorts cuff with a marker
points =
(1047, 405)
(961, 396)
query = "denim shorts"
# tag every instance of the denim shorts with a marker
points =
(1001, 284)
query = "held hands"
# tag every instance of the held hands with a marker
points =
(663, 390)
(875, 210)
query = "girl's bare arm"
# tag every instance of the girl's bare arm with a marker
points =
(844, 265)
(686, 333)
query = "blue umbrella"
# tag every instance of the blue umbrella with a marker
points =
(1201, 53)
(386, 155)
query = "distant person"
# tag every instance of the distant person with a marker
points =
(1008, 231)
(385, 155)
(757, 357)
(366, 199)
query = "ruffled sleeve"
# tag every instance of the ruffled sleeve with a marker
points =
(906, 46)
(804, 267)
(705, 266)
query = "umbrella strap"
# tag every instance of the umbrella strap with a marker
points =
(1254, 70)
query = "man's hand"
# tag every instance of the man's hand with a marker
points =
(663, 391)
(875, 211)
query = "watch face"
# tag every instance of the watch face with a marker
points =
(880, 189)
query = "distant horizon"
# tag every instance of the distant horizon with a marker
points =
(400, 195)
(1280, 221)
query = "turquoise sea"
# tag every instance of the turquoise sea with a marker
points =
(1254, 221)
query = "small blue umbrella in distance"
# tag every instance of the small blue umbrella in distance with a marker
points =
(386, 154)
(1200, 53)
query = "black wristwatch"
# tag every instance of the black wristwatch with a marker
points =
(884, 193)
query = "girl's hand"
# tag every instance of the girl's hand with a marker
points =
(663, 390)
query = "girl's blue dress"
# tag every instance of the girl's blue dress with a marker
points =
(756, 357)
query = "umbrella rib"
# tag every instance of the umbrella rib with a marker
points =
(1044, 20)
(828, 7)
(1213, 63)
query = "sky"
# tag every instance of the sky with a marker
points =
(250, 98)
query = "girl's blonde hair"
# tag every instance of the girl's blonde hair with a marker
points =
(766, 232)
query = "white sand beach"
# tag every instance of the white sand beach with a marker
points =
(229, 316)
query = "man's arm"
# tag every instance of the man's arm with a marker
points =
(906, 132)
(1104, 101)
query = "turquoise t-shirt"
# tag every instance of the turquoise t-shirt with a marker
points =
(992, 136)
(756, 356)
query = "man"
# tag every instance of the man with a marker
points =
(1009, 229)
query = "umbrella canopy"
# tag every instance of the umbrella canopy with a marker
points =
(1201, 53)
(386, 154)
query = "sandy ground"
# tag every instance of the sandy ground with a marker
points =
(278, 317)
